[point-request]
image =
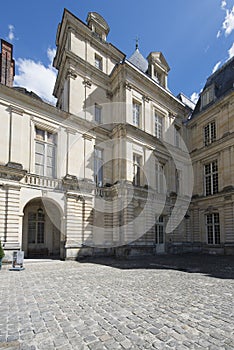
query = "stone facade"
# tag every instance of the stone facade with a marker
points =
(108, 170)
(212, 151)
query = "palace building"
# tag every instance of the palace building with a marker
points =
(121, 166)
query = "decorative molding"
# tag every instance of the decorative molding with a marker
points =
(109, 94)
(71, 73)
(16, 110)
(71, 131)
(87, 137)
(145, 98)
(44, 126)
(87, 83)
(12, 171)
(128, 86)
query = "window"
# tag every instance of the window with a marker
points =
(209, 133)
(211, 178)
(36, 227)
(178, 174)
(98, 167)
(136, 114)
(98, 114)
(157, 76)
(98, 62)
(136, 170)
(45, 153)
(159, 178)
(159, 231)
(207, 96)
(177, 136)
(213, 228)
(158, 122)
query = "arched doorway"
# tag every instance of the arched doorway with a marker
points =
(42, 229)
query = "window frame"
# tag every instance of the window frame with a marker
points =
(211, 178)
(137, 164)
(209, 132)
(98, 62)
(98, 113)
(213, 228)
(207, 96)
(158, 125)
(159, 230)
(177, 136)
(98, 166)
(159, 177)
(39, 222)
(136, 113)
(48, 153)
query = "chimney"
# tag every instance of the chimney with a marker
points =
(7, 64)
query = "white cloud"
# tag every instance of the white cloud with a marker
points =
(51, 54)
(194, 97)
(11, 35)
(218, 34)
(228, 24)
(216, 66)
(36, 77)
(231, 51)
(223, 5)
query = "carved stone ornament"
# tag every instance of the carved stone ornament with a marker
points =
(87, 83)
(71, 73)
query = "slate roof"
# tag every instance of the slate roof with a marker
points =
(223, 82)
(139, 61)
(26, 92)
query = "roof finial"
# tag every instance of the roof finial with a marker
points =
(137, 43)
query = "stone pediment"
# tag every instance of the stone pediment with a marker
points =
(159, 59)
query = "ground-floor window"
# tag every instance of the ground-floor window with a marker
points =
(159, 231)
(36, 227)
(213, 228)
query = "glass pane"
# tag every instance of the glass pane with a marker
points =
(215, 184)
(50, 172)
(207, 169)
(50, 137)
(216, 218)
(32, 228)
(208, 185)
(32, 216)
(97, 114)
(39, 169)
(50, 151)
(160, 234)
(39, 159)
(209, 219)
(210, 234)
(40, 232)
(40, 134)
(40, 148)
(217, 234)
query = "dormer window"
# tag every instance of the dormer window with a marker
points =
(98, 25)
(207, 96)
(157, 76)
(158, 68)
(98, 62)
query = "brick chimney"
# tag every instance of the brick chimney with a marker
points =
(7, 64)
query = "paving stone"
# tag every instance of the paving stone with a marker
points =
(90, 306)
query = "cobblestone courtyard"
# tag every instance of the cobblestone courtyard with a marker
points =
(183, 302)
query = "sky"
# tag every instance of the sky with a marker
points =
(195, 36)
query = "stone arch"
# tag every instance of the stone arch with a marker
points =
(42, 232)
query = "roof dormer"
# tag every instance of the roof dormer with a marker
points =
(98, 25)
(158, 68)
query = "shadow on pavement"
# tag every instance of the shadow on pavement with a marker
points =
(212, 265)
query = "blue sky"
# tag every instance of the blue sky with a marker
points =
(195, 37)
